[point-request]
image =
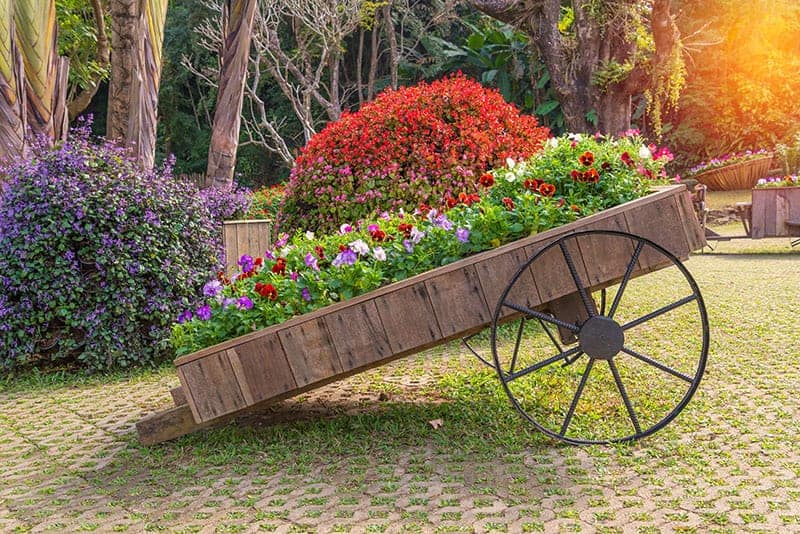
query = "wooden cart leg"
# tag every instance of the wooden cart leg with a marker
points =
(570, 308)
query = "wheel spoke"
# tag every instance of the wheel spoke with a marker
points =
(625, 399)
(546, 328)
(660, 311)
(577, 397)
(544, 363)
(657, 365)
(625, 279)
(542, 316)
(578, 284)
(603, 301)
(516, 346)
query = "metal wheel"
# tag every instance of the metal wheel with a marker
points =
(619, 363)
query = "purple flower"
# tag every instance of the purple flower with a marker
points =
(212, 288)
(284, 238)
(269, 255)
(306, 294)
(246, 263)
(293, 276)
(416, 235)
(373, 228)
(244, 303)
(345, 229)
(204, 312)
(185, 317)
(346, 257)
(311, 261)
(228, 302)
(408, 245)
(462, 234)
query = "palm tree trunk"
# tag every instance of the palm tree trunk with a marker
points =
(12, 97)
(238, 19)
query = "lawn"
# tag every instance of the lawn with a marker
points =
(363, 455)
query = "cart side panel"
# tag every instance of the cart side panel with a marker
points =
(415, 314)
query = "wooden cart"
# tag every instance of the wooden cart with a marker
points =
(564, 286)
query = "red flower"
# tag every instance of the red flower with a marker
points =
(222, 278)
(267, 291)
(626, 159)
(450, 202)
(561, 203)
(406, 229)
(547, 190)
(576, 175)
(575, 208)
(486, 179)
(586, 159)
(320, 252)
(259, 261)
(509, 203)
(532, 185)
(280, 266)
(342, 248)
(592, 175)
(605, 166)
(473, 198)
(424, 209)
(378, 235)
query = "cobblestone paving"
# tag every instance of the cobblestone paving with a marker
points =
(730, 463)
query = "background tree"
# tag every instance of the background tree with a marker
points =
(12, 94)
(237, 19)
(137, 34)
(600, 55)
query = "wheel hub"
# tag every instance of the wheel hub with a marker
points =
(601, 337)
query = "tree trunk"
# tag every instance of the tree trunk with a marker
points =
(238, 16)
(138, 29)
(36, 34)
(12, 96)
(394, 53)
(573, 60)
(125, 42)
(60, 87)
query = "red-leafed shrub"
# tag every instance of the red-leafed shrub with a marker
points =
(416, 144)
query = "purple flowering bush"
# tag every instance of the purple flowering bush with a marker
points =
(96, 257)
(572, 177)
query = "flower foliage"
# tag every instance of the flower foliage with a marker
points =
(265, 202)
(408, 146)
(728, 159)
(96, 257)
(570, 178)
(791, 180)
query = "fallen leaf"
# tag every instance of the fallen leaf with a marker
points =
(436, 423)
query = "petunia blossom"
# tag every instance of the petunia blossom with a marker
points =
(379, 254)
(204, 312)
(244, 303)
(462, 234)
(311, 262)
(345, 257)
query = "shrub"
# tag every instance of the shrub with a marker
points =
(405, 147)
(265, 202)
(96, 257)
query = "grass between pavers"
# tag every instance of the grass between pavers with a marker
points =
(728, 463)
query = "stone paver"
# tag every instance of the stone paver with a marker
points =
(730, 463)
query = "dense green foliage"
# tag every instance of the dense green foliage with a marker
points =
(97, 258)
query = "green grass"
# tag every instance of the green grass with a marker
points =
(717, 200)
(729, 461)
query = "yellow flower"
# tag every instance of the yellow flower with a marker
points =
(495, 242)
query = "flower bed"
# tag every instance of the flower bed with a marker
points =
(778, 181)
(572, 177)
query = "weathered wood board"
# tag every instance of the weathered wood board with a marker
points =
(423, 311)
(772, 209)
(245, 237)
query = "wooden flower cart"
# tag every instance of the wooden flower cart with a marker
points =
(554, 281)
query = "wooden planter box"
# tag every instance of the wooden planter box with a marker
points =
(409, 316)
(245, 237)
(774, 210)
(743, 175)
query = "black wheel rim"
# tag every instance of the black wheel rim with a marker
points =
(648, 383)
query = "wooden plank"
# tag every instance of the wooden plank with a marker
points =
(761, 202)
(793, 195)
(661, 224)
(358, 335)
(262, 368)
(458, 301)
(178, 395)
(408, 318)
(770, 214)
(571, 309)
(552, 274)
(695, 236)
(605, 257)
(169, 424)
(229, 243)
(310, 352)
(211, 386)
(496, 273)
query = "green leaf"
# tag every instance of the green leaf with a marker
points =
(546, 107)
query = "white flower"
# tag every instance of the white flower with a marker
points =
(359, 247)
(510, 163)
(379, 253)
(285, 250)
(309, 235)
(644, 153)
(552, 142)
(575, 137)
(416, 235)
